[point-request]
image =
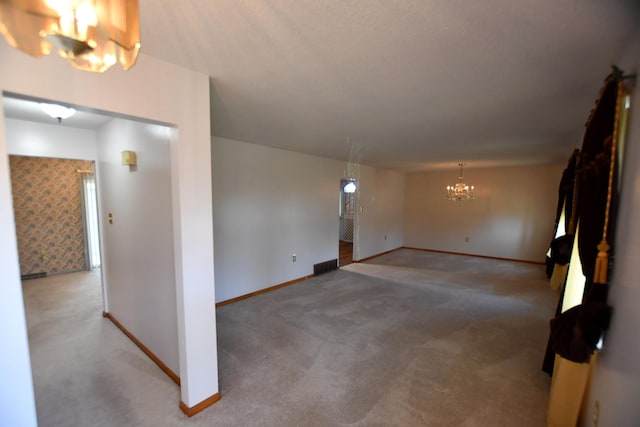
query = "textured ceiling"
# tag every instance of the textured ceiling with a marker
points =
(410, 84)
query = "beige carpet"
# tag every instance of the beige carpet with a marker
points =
(410, 338)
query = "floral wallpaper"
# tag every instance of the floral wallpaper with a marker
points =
(48, 213)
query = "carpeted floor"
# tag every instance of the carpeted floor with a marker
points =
(411, 338)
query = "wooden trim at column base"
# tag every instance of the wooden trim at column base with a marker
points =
(190, 412)
(144, 348)
(376, 255)
(263, 291)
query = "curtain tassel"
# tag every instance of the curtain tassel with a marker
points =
(602, 263)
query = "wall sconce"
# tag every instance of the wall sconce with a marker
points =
(129, 158)
(350, 187)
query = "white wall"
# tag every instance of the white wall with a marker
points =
(269, 204)
(616, 382)
(43, 140)
(137, 249)
(153, 90)
(512, 215)
(380, 212)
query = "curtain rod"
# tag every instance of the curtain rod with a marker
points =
(620, 74)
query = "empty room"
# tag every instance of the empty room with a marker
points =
(320, 213)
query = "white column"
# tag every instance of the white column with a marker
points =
(17, 403)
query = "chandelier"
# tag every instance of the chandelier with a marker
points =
(460, 191)
(92, 34)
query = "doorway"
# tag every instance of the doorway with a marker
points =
(133, 193)
(55, 211)
(346, 212)
(90, 217)
(54, 205)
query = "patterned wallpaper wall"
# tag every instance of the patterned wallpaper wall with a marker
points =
(48, 213)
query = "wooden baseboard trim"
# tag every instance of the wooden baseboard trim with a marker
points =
(144, 348)
(475, 255)
(376, 255)
(263, 291)
(190, 412)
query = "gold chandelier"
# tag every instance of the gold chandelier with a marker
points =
(92, 34)
(460, 191)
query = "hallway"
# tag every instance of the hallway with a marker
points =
(86, 372)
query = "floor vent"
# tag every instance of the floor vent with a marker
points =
(33, 276)
(324, 267)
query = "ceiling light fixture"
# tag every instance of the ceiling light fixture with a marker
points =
(350, 187)
(92, 34)
(460, 191)
(57, 111)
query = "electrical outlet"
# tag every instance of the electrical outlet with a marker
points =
(293, 257)
(385, 237)
(466, 239)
